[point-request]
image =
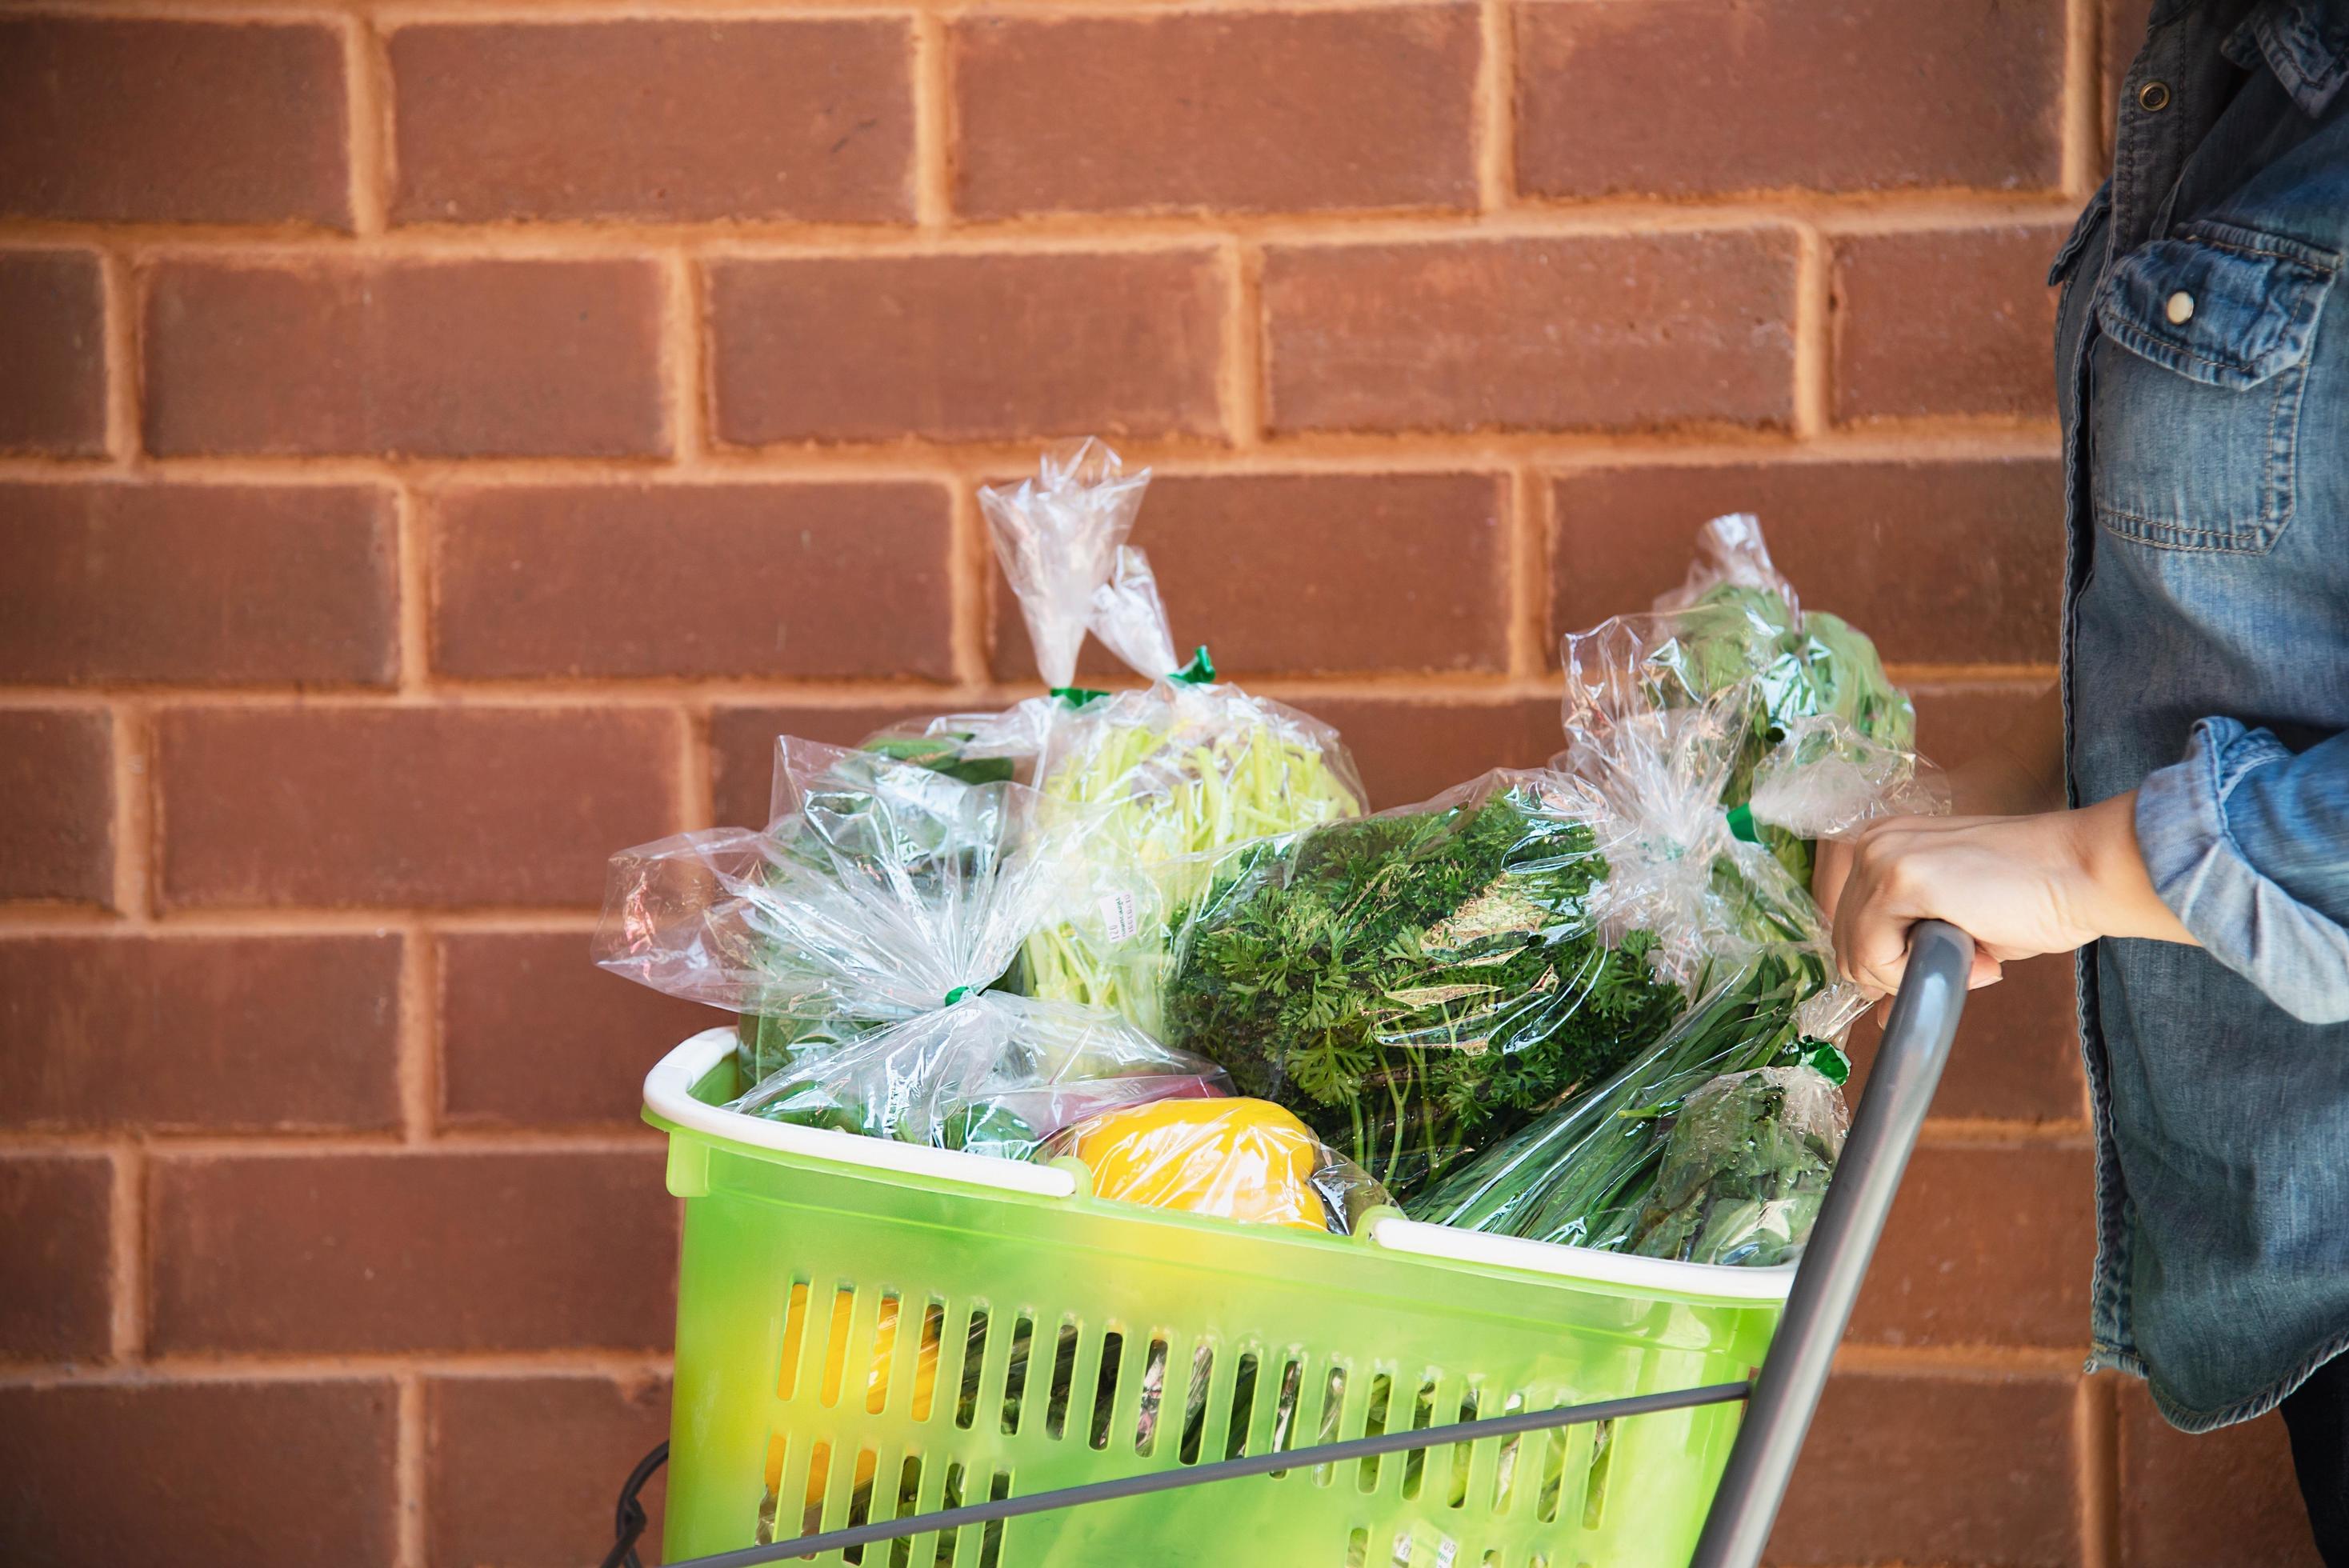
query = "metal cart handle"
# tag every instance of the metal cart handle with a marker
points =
(1883, 1132)
(1779, 1402)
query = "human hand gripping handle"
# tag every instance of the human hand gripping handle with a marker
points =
(2021, 886)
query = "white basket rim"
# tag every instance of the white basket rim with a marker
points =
(668, 1094)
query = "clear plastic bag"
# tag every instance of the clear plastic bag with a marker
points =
(1584, 1174)
(1182, 765)
(1736, 625)
(1744, 1169)
(1060, 537)
(1419, 983)
(859, 934)
(1243, 1160)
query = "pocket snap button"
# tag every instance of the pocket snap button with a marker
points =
(2179, 308)
(2153, 97)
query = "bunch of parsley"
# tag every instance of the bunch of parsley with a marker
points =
(1417, 983)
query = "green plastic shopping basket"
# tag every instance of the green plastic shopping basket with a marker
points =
(906, 1358)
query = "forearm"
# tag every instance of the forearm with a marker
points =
(2113, 886)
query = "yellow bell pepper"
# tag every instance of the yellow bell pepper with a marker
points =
(1245, 1159)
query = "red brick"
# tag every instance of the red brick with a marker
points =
(1410, 747)
(1954, 1468)
(57, 1254)
(2018, 1053)
(52, 339)
(1985, 1247)
(206, 583)
(2227, 1496)
(653, 120)
(438, 808)
(172, 122)
(210, 1033)
(57, 773)
(411, 358)
(1947, 563)
(533, 1035)
(1343, 573)
(742, 746)
(1857, 95)
(1957, 321)
(520, 1472)
(975, 346)
(1588, 332)
(809, 580)
(1338, 109)
(262, 1475)
(347, 1254)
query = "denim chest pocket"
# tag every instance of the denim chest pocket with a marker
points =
(2195, 409)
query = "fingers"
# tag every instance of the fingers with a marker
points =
(1873, 916)
(1830, 867)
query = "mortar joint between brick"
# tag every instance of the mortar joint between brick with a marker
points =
(137, 819)
(127, 1254)
(685, 353)
(2082, 129)
(932, 69)
(371, 155)
(1496, 95)
(409, 1489)
(417, 1033)
(1814, 333)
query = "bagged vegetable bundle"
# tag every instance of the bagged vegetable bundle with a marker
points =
(1745, 1168)
(1808, 679)
(863, 929)
(1183, 765)
(1588, 1174)
(1421, 983)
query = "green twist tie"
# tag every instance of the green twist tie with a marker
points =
(1076, 697)
(956, 995)
(1831, 1061)
(1740, 824)
(1199, 672)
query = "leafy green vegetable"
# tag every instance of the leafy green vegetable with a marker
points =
(1794, 665)
(943, 751)
(1744, 1170)
(1414, 984)
(1581, 1174)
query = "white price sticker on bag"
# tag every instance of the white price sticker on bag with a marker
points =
(1120, 915)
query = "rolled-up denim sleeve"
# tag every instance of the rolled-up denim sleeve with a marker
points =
(2248, 843)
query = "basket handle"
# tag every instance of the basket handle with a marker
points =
(1883, 1132)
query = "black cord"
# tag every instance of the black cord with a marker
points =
(628, 1519)
(1167, 1481)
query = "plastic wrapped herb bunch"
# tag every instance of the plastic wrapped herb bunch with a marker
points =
(1419, 983)
(863, 929)
(1737, 625)
(1744, 1169)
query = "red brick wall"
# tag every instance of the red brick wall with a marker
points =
(444, 445)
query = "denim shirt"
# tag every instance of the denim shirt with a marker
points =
(2203, 379)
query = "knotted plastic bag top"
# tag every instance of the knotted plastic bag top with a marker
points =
(859, 933)
(1058, 537)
